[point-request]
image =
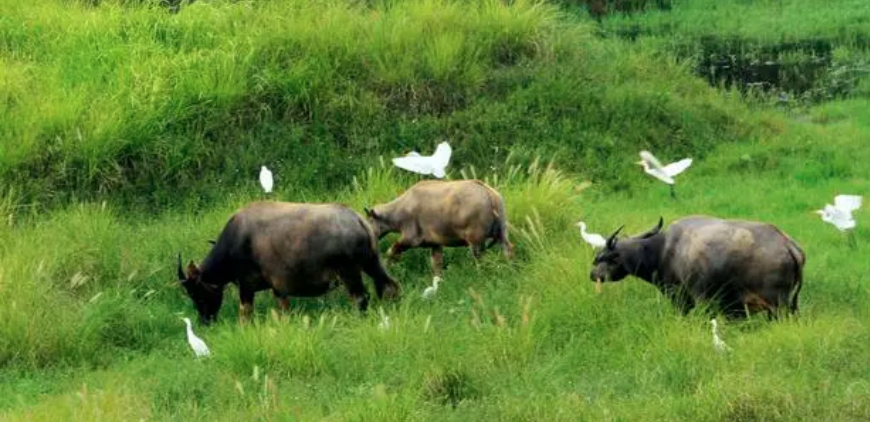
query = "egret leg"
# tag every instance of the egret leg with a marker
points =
(673, 193)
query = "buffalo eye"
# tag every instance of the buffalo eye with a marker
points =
(607, 256)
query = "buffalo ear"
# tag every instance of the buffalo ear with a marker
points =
(370, 212)
(192, 270)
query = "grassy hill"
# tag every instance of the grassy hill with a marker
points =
(144, 107)
(130, 134)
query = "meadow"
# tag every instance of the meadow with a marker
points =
(131, 134)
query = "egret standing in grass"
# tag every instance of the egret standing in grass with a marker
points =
(196, 343)
(840, 214)
(266, 180)
(718, 344)
(430, 291)
(596, 241)
(434, 164)
(654, 168)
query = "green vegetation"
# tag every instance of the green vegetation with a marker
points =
(130, 134)
(812, 51)
(142, 107)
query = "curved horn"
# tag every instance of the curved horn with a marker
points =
(611, 241)
(655, 230)
(181, 275)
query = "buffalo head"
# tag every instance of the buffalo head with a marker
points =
(380, 223)
(620, 258)
(205, 296)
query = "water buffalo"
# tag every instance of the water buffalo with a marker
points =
(435, 213)
(291, 248)
(740, 266)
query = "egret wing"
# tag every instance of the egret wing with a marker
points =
(650, 159)
(200, 347)
(266, 179)
(596, 240)
(674, 169)
(441, 157)
(847, 203)
(416, 164)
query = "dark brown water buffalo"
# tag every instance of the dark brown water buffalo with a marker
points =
(294, 250)
(435, 213)
(740, 266)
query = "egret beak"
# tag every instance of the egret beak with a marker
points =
(640, 163)
(598, 285)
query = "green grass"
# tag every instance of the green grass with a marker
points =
(90, 309)
(764, 20)
(156, 110)
(624, 354)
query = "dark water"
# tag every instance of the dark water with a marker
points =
(803, 68)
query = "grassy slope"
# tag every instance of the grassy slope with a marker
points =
(141, 107)
(113, 345)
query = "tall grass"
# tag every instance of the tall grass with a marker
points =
(519, 340)
(111, 106)
(154, 109)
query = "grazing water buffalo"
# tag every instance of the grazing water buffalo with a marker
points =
(294, 250)
(435, 214)
(741, 266)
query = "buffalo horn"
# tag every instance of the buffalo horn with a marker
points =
(611, 241)
(655, 230)
(181, 275)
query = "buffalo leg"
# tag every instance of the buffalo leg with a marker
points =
(476, 250)
(246, 304)
(355, 288)
(508, 249)
(395, 251)
(436, 259)
(384, 284)
(283, 302)
(680, 298)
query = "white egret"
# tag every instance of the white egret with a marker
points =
(840, 214)
(433, 164)
(196, 343)
(593, 239)
(266, 179)
(596, 241)
(718, 344)
(430, 291)
(654, 168)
